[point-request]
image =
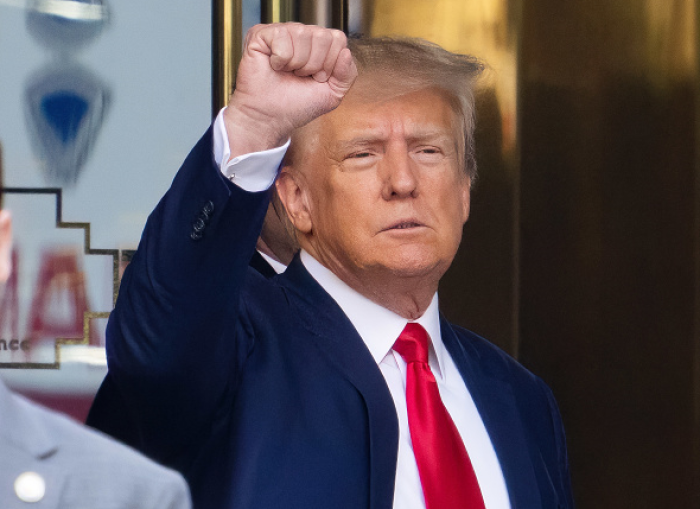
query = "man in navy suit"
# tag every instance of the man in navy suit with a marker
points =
(310, 389)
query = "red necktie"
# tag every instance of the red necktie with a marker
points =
(446, 473)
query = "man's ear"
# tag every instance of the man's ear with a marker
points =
(5, 245)
(466, 191)
(294, 199)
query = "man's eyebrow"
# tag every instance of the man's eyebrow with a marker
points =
(427, 134)
(359, 141)
(431, 134)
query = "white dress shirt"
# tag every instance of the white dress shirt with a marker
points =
(278, 267)
(379, 328)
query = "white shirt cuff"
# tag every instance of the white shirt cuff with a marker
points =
(252, 172)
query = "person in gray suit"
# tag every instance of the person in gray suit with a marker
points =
(50, 461)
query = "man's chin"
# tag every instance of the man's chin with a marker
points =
(411, 267)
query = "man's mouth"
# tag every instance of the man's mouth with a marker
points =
(404, 225)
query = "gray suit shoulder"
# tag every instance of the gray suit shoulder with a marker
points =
(81, 467)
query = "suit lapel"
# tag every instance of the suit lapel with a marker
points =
(497, 406)
(333, 334)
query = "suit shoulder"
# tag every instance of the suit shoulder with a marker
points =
(102, 468)
(495, 360)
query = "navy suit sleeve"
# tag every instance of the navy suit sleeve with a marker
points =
(170, 343)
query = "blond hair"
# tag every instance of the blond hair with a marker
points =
(406, 64)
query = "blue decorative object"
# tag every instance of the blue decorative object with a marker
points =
(64, 111)
(65, 107)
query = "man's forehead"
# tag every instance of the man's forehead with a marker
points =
(362, 133)
(425, 112)
(356, 120)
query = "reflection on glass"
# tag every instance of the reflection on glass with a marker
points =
(84, 163)
(58, 308)
(65, 107)
(60, 299)
(65, 103)
(66, 24)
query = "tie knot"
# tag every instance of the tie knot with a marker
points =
(412, 344)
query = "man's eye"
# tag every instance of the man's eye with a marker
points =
(359, 155)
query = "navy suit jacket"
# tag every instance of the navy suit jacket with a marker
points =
(261, 392)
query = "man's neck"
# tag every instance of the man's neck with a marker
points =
(404, 296)
(377, 326)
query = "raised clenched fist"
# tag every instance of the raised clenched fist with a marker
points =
(289, 75)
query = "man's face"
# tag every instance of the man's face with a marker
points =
(382, 187)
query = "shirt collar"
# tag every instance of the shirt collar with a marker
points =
(377, 326)
(278, 267)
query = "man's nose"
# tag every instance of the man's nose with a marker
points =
(400, 175)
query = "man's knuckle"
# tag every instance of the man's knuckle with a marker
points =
(339, 36)
(323, 36)
(298, 30)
